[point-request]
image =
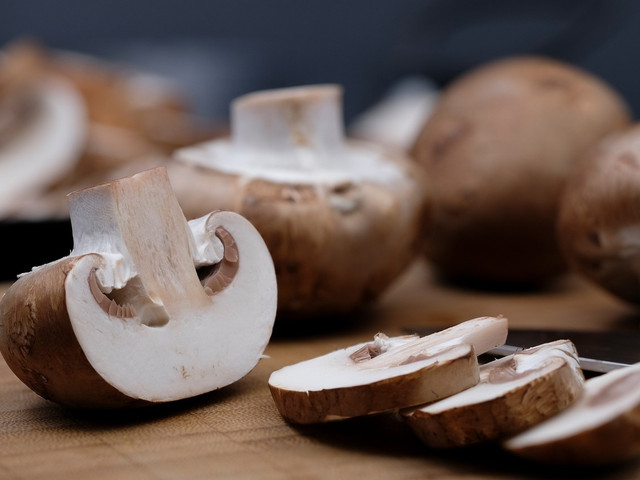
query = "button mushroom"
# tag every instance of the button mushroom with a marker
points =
(513, 394)
(599, 221)
(42, 128)
(497, 150)
(385, 374)
(147, 307)
(340, 217)
(600, 428)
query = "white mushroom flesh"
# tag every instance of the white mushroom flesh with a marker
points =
(506, 374)
(293, 135)
(169, 339)
(604, 398)
(395, 356)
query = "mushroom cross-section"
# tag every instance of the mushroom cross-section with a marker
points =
(513, 394)
(147, 307)
(340, 217)
(385, 374)
(602, 427)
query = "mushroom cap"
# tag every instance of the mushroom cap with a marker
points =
(341, 218)
(335, 247)
(514, 393)
(497, 150)
(600, 428)
(599, 221)
(386, 374)
(147, 307)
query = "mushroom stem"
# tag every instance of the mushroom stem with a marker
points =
(288, 121)
(119, 219)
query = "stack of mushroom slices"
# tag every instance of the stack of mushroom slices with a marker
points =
(513, 394)
(535, 402)
(386, 374)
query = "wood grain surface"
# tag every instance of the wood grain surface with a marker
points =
(237, 433)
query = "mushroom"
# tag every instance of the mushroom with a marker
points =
(514, 393)
(147, 307)
(497, 150)
(130, 120)
(385, 374)
(133, 101)
(599, 221)
(340, 217)
(602, 427)
(42, 128)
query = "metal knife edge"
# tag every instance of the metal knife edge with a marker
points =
(588, 364)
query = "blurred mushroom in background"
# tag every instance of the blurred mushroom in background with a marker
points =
(70, 120)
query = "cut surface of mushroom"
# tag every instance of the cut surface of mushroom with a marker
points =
(385, 374)
(327, 206)
(133, 306)
(601, 427)
(513, 394)
(293, 135)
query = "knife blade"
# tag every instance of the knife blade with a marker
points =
(599, 352)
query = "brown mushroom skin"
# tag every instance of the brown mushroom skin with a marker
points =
(432, 382)
(499, 418)
(497, 150)
(38, 343)
(612, 442)
(599, 213)
(313, 232)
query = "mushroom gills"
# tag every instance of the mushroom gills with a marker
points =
(127, 317)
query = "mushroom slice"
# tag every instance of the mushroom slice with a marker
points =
(602, 427)
(513, 394)
(385, 374)
(340, 217)
(147, 307)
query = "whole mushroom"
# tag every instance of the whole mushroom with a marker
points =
(147, 308)
(340, 218)
(497, 150)
(599, 219)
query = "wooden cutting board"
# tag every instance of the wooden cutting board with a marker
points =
(237, 433)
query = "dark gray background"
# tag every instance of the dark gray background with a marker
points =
(221, 49)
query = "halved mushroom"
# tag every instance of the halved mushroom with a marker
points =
(602, 427)
(385, 374)
(340, 218)
(146, 308)
(513, 394)
(42, 128)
